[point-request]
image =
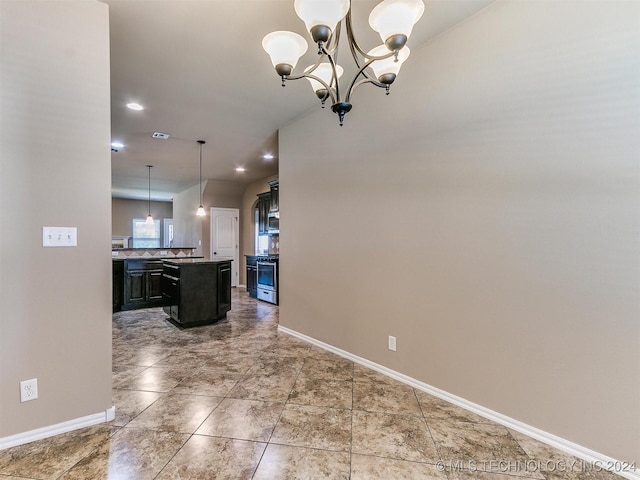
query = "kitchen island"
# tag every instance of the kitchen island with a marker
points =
(196, 291)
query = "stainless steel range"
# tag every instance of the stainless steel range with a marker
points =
(268, 280)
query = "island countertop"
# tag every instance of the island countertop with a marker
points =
(195, 261)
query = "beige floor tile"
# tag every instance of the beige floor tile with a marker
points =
(214, 459)
(213, 383)
(276, 365)
(364, 467)
(337, 369)
(483, 447)
(402, 437)
(176, 413)
(435, 408)
(130, 453)
(273, 388)
(314, 427)
(49, 458)
(122, 374)
(156, 379)
(476, 475)
(242, 419)
(322, 393)
(240, 384)
(365, 374)
(283, 462)
(130, 403)
(145, 357)
(382, 397)
(556, 464)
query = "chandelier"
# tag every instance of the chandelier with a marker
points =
(392, 19)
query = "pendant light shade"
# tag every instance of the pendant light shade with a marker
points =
(200, 212)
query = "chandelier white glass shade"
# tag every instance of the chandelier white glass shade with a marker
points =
(200, 212)
(323, 72)
(392, 19)
(387, 66)
(285, 49)
(321, 16)
(395, 18)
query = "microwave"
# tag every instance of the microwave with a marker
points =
(273, 222)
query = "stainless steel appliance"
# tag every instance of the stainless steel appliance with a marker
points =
(273, 222)
(268, 280)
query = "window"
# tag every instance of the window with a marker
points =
(167, 235)
(261, 241)
(146, 235)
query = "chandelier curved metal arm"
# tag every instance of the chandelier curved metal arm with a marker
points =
(392, 19)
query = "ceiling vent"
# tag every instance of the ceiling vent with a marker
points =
(163, 136)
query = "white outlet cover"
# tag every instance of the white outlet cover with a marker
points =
(28, 390)
(392, 343)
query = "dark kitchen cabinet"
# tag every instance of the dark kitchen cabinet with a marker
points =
(196, 292)
(142, 284)
(117, 269)
(224, 287)
(274, 198)
(264, 203)
(252, 276)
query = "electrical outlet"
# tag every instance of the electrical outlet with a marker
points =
(28, 390)
(392, 343)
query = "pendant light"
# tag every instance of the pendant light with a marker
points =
(149, 217)
(200, 212)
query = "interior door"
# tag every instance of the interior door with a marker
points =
(224, 238)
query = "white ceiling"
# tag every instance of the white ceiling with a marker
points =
(199, 69)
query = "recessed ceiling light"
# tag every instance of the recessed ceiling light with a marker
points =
(117, 145)
(241, 169)
(268, 156)
(135, 106)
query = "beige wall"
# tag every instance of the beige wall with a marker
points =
(55, 303)
(125, 210)
(196, 231)
(247, 223)
(486, 214)
(187, 227)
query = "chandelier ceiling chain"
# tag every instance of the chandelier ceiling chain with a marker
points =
(392, 19)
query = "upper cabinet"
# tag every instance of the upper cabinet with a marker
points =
(274, 201)
(264, 204)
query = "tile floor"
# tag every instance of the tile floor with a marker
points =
(238, 400)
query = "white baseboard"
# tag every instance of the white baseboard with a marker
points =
(57, 429)
(545, 437)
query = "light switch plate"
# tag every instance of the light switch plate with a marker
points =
(59, 237)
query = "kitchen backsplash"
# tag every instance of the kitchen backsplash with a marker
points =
(152, 252)
(274, 244)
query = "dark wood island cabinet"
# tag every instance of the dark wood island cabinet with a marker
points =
(196, 291)
(142, 283)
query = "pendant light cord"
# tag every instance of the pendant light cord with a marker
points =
(149, 167)
(201, 142)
